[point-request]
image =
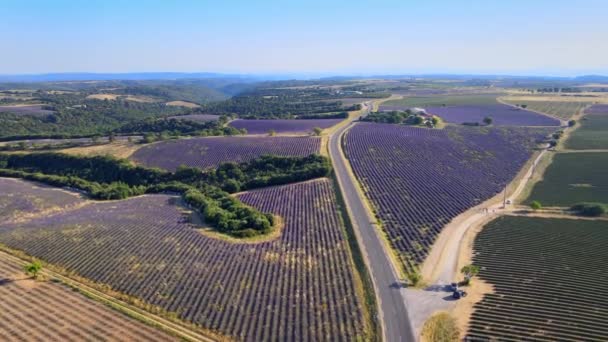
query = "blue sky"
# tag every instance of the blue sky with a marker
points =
(334, 37)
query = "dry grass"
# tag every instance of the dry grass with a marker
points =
(441, 327)
(119, 149)
(134, 98)
(182, 104)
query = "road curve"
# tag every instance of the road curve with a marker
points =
(393, 315)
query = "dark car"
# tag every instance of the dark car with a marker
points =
(459, 294)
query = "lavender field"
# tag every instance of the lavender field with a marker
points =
(212, 151)
(300, 286)
(502, 115)
(35, 110)
(419, 179)
(19, 198)
(283, 126)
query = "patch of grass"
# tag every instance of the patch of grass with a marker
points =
(572, 178)
(449, 100)
(440, 327)
(593, 134)
(561, 109)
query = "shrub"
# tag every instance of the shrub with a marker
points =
(589, 209)
(535, 205)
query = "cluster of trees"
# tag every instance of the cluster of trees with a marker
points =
(105, 177)
(275, 107)
(589, 209)
(175, 127)
(487, 121)
(401, 117)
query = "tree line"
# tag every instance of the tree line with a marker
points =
(106, 178)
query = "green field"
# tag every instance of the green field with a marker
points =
(448, 100)
(573, 178)
(549, 278)
(593, 134)
(561, 109)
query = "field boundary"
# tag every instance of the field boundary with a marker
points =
(561, 121)
(175, 329)
(361, 268)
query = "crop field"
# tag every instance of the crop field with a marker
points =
(196, 117)
(182, 104)
(593, 133)
(418, 179)
(549, 277)
(441, 100)
(283, 126)
(210, 152)
(561, 109)
(46, 311)
(573, 178)
(35, 110)
(18, 199)
(502, 115)
(300, 286)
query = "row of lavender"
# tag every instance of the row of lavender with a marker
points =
(298, 287)
(283, 126)
(17, 199)
(419, 179)
(212, 151)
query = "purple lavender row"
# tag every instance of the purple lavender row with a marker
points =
(297, 287)
(502, 115)
(419, 179)
(597, 109)
(283, 126)
(212, 151)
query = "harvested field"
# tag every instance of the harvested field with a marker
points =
(20, 199)
(502, 115)
(182, 104)
(300, 286)
(212, 151)
(593, 133)
(34, 110)
(573, 178)
(549, 279)
(44, 311)
(134, 98)
(561, 109)
(418, 179)
(283, 126)
(437, 101)
(196, 117)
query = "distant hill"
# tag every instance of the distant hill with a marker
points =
(58, 77)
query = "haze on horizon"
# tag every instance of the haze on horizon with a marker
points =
(545, 37)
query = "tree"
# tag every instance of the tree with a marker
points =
(272, 132)
(535, 205)
(469, 272)
(435, 120)
(571, 123)
(524, 106)
(33, 268)
(487, 120)
(317, 131)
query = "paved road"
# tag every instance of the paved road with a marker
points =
(393, 315)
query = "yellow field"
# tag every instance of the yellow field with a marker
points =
(182, 104)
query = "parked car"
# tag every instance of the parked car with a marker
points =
(459, 294)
